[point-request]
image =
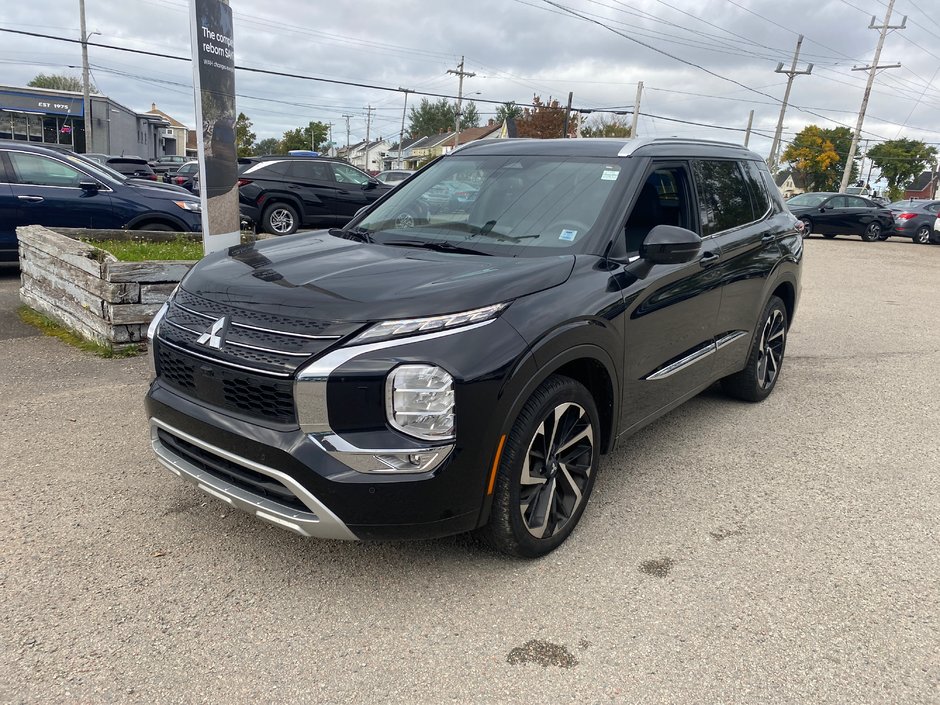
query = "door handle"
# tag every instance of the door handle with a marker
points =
(766, 237)
(709, 258)
(31, 199)
(294, 187)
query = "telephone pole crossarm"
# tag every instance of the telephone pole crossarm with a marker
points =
(461, 74)
(791, 74)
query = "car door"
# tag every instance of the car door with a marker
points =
(48, 192)
(671, 309)
(8, 215)
(312, 181)
(834, 217)
(354, 190)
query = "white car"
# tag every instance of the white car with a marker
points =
(394, 176)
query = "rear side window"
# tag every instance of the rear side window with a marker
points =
(760, 199)
(268, 169)
(856, 202)
(723, 197)
(311, 171)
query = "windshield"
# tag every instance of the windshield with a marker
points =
(100, 171)
(808, 199)
(504, 205)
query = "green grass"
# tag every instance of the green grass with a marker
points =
(140, 250)
(53, 328)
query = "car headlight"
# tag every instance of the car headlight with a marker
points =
(413, 326)
(191, 206)
(419, 401)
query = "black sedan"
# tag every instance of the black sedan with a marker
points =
(831, 214)
(915, 219)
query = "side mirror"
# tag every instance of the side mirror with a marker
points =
(89, 187)
(823, 209)
(668, 244)
(369, 185)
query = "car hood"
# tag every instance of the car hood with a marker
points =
(322, 277)
(158, 185)
(160, 191)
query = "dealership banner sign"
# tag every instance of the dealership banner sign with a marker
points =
(214, 81)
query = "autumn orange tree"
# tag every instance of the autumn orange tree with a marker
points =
(818, 155)
(545, 120)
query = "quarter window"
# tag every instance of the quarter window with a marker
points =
(760, 199)
(41, 171)
(723, 197)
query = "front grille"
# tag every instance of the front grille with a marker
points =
(242, 477)
(246, 393)
(260, 341)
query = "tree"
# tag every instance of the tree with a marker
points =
(310, 137)
(269, 145)
(469, 117)
(603, 126)
(244, 137)
(818, 155)
(900, 162)
(545, 120)
(60, 82)
(431, 118)
(507, 111)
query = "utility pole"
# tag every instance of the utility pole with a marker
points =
(86, 90)
(564, 132)
(369, 110)
(460, 73)
(329, 127)
(791, 74)
(847, 173)
(347, 131)
(401, 134)
(747, 132)
(636, 109)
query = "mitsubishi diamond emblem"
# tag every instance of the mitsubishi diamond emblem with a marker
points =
(213, 337)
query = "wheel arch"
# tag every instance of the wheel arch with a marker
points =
(164, 218)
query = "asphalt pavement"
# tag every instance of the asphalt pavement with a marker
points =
(780, 552)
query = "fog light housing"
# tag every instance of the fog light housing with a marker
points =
(419, 401)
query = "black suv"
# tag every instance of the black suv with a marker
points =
(417, 375)
(282, 194)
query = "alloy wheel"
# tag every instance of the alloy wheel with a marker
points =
(873, 232)
(282, 221)
(770, 353)
(556, 470)
(922, 236)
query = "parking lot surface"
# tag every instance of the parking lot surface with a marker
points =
(780, 552)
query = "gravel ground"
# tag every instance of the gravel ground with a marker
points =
(780, 552)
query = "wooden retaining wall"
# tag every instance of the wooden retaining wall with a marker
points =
(88, 290)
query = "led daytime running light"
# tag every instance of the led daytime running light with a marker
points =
(414, 326)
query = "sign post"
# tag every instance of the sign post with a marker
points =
(214, 82)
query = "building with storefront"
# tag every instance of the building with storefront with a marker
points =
(57, 118)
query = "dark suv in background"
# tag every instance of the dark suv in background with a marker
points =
(282, 194)
(40, 186)
(467, 371)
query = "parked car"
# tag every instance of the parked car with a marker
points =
(44, 186)
(831, 214)
(935, 235)
(282, 194)
(184, 176)
(393, 177)
(914, 219)
(134, 167)
(132, 180)
(406, 380)
(451, 195)
(167, 163)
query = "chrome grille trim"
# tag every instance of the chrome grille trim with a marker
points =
(257, 328)
(221, 361)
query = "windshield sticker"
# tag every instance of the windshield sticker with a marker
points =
(610, 174)
(568, 235)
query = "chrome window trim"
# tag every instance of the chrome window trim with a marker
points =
(319, 522)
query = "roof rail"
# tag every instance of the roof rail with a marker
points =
(633, 145)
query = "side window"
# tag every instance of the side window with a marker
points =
(760, 199)
(42, 171)
(346, 174)
(723, 199)
(664, 199)
(837, 202)
(268, 170)
(855, 202)
(311, 171)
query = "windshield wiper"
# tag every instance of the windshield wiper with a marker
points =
(487, 230)
(357, 233)
(437, 245)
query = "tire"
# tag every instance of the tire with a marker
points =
(922, 236)
(157, 227)
(807, 227)
(536, 506)
(872, 232)
(280, 219)
(765, 359)
(829, 236)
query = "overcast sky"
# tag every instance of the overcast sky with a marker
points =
(516, 48)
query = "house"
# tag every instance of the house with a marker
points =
(924, 186)
(791, 183)
(471, 134)
(173, 135)
(366, 157)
